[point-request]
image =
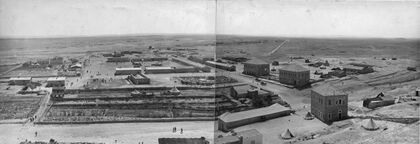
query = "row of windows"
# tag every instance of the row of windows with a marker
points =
(298, 75)
(338, 102)
(330, 115)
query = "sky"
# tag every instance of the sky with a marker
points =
(299, 18)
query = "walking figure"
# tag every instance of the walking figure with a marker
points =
(182, 130)
(36, 134)
(174, 129)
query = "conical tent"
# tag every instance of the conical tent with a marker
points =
(174, 90)
(135, 92)
(287, 134)
(309, 116)
(370, 125)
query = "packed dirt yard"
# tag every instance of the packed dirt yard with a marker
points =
(124, 133)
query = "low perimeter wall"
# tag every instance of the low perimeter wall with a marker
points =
(133, 121)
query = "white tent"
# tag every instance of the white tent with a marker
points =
(370, 125)
(174, 90)
(287, 135)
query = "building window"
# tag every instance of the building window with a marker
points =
(329, 116)
(339, 101)
(329, 102)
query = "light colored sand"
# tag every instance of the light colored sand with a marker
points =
(125, 133)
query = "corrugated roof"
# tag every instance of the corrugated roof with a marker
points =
(247, 133)
(232, 117)
(256, 61)
(328, 90)
(137, 76)
(226, 139)
(191, 63)
(20, 78)
(217, 63)
(158, 68)
(127, 69)
(294, 68)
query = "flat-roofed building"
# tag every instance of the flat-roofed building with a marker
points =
(138, 79)
(251, 136)
(150, 59)
(201, 140)
(20, 80)
(294, 74)
(196, 65)
(56, 82)
(328, 104)
(127, 71)
(158, 70)
(222, 66)
(185, 69)
(118, 59)
(256, 67)
(229, 139)
(228, 121)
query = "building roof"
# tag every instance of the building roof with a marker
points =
(226, 139)
(158, 68)
(217, 63)
(328, 90)
(56, 79)
(78, 65)
(255, 61)
(294, 68)
(249, 133)
(191, 63)
(20, 78)
(182, 141)
(119, 69)
(232, 117)
(137, 76)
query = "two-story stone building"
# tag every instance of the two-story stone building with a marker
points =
(328, 104)
(295, 75)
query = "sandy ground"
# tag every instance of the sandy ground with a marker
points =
(124, 133)
(388, 132)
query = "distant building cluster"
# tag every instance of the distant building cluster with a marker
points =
(44, 62)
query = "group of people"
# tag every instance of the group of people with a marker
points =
(31, 119)
(174, 130)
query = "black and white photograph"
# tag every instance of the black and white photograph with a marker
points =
(209, 71)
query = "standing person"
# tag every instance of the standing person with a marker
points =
(36, 134)
(174, 129)
(182, 130)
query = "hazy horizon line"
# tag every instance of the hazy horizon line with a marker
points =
(201, 34)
